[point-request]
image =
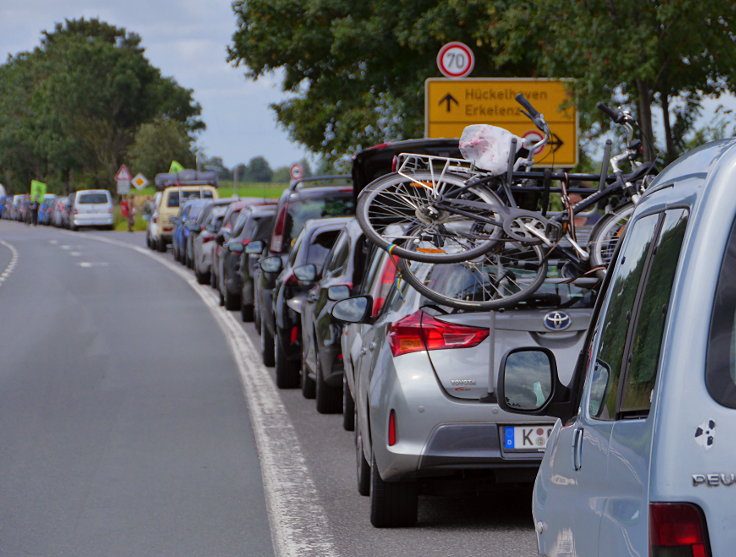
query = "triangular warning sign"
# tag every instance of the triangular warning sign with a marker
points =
(123, 174)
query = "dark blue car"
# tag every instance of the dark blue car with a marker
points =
(189, 211)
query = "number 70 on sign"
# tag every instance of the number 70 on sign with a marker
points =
(455, 60)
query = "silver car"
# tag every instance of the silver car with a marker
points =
(421, 378)
(643, 459)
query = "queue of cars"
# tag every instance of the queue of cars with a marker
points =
(415, 381)
(81, 209)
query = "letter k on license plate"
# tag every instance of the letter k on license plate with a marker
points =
(526, 438)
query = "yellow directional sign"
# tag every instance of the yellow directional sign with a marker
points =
(452, 104)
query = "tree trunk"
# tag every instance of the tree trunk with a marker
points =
(669, 141)
(645, 118)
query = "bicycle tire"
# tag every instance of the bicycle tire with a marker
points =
(506, 260)
(606, 235)
(389, 208)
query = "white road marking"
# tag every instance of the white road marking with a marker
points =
(75, 253)
(298, 520)
(65, 247)
(89, 264)
(13, 261)
(53, 242)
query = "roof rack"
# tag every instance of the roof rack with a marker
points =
(304, 182)
(186, 178)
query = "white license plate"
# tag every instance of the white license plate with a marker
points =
(526, 438)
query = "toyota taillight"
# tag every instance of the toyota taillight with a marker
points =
(677, 529)
(277, 239)
(420, 331)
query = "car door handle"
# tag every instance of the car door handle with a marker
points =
(372, 346)
(577, 448)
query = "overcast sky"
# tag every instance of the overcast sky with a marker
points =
(187, 40)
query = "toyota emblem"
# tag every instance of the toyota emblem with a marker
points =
(557, 321)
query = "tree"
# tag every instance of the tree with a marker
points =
(258, 170)
(355, 70)
(159, 142)
(87, 89)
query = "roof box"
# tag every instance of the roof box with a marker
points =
(186, 177)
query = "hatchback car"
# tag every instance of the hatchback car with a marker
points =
(203, 244)
(188, 212)
(294, 278)
(654, 391)
(299, 203)
(423, 386)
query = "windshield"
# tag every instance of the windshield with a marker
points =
(90, 198)
(338, 204)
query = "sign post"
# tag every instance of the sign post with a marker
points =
(123, 177)
(453, 104)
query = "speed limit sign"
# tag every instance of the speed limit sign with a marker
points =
(296, 171)
(455, 60)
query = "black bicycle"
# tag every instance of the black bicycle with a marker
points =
(448, 211)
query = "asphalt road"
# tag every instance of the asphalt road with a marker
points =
(155, 299)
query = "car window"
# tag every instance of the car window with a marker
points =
(91, 198)
(338, 204)
(338, 256)
(648, 327)
(720, 368)
(172, 200)
(295, 248)
(320, 246)
(617, 312)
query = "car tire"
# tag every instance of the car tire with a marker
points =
(307, 384)
(267, 354)
(246, 312)
(202, 278)
(362, 467)
(328, 399)
(348, 406)
(287, 372)
(230, 301)
(161, 246)
(393, 504)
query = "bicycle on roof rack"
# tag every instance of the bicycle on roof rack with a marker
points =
(448, 211)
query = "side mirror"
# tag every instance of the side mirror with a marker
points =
(235, 246)
(271, 264)
(192, 225)
(338, 292)
(353, 310)
(254, 248)
(528, 382)
(306, 273)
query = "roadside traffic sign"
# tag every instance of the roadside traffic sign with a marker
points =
(123, 174)
(452, 104)
(140, 181)
(296, 171)
(455, 60)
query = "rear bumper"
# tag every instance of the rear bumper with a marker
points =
(92, 220)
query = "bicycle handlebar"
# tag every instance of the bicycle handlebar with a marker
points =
(616, 115)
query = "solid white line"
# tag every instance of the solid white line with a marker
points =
(299, 526)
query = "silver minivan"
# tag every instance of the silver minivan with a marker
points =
(642, 460)
(91, 208)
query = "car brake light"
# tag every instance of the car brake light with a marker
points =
(207, 238)
(291, 280)
(387, 277)
(277, 240)
(155, 218)
(294, 334)
(394, 163)
(420, 331)
(677, 525)
(346, 190)
(392, 428)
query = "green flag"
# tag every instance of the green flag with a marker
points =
(175, 167)
(38, 191)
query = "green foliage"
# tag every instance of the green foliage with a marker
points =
(156, 144)
(258, 170)
(355, 70)
(71, 108)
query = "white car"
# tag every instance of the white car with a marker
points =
(91, 208)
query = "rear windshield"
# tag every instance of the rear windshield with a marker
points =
(339, 204)
(176, 197)
(721, 359)
(91, 198)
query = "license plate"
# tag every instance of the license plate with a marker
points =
(526, 438)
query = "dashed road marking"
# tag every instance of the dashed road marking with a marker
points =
(75, 253)
(13, 261)
(89, 264)
(299, 526)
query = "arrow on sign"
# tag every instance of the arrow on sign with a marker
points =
(555, 143)
(449, 99)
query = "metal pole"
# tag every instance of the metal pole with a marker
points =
(235, 182)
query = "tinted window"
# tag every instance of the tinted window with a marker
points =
(339, 256)
(616, 316)
(721, 359)
(338, 204)
(646, 340)
(90, 198)
(320, 246)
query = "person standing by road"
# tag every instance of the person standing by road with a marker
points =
(128, 211)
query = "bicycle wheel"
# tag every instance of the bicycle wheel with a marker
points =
(606, 235)
(413, 217)
(508, 273)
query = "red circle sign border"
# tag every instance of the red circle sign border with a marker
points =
(468, 51)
